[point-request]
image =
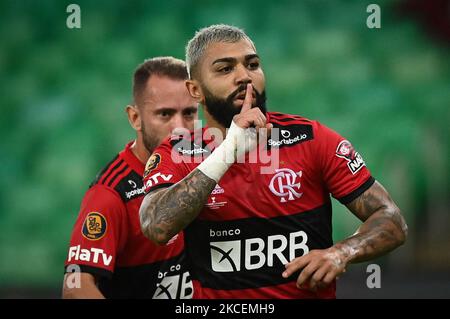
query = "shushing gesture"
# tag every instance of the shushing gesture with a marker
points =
(247, 124)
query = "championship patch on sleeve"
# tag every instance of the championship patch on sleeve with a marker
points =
(152, 163)
(94, 227)
(346, 151)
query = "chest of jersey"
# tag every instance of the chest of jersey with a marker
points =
(257, 219)
(285, 185)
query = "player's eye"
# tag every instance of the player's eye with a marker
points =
(165, 114)
(225, 69)
(190, 114)
(253, 65)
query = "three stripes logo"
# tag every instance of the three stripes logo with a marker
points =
(226, 256)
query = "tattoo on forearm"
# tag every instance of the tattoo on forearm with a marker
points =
(171, 210)
(383, 229)
(369, 202)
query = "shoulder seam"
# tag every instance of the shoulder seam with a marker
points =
(288, 117)
(290, 121)
(111, 190)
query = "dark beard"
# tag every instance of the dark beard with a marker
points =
(150, 141)
(223, 110)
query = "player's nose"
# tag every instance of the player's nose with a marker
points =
(242, 75)
(177, 122)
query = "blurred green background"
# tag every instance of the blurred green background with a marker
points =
(63, 93)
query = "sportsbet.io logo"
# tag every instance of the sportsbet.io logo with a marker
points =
(94, 227)
(288, 139)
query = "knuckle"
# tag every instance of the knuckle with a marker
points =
(326, 262)
(306, 273)
(301, 278)
(316, 277)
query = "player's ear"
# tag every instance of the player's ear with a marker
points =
(134, 116)
(195, 90)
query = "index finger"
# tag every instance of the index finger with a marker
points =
(247, 105)
(296, 264)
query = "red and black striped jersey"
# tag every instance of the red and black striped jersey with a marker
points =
(107, 240)
(266, 211)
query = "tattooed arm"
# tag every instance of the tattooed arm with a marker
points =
(164, 213)
(383, 230)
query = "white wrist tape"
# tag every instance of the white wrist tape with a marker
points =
(223, 156)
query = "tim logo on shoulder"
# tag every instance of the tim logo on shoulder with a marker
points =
(346, 151)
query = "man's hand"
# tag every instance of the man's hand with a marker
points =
(318, 268)
(243, 133)
(250, 117)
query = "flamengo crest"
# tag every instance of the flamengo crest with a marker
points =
(285, 184)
